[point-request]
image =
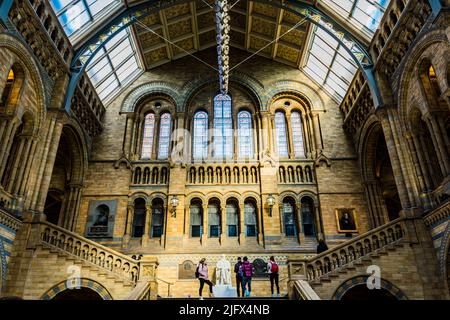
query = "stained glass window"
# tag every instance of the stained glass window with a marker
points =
(245, 134)
(200, 144)
(164, 136)
(147, 139)
(281, 135)
(250, 219)
(297, 135)
(223, 127)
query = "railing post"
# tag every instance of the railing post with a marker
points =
(148, 273)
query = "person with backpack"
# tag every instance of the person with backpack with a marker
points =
(239, 275)
(201, 273)
(247, 274)
(274, 275)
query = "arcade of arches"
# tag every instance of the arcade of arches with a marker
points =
(167, 168)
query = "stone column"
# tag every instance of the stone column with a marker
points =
(242, 223)
(17, 161)
(223, 224)
(441, 149)
(138, 132)
(128, 225)
(260, 216)
(6, 144)
(317, 134)
(156, 138)
(148, 222)
(256, 141)
(312, 138)
(49, 163)
(205, 226)
(273, 142)
(28, 165)
(307, 137)
(319, 230)
(301, 232)
(69, 216)
(22, 166)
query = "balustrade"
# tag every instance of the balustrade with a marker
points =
(150, 174)
(296, 174)
(223, 174)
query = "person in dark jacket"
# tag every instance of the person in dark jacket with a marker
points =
(322, 246)
(238, 272)
(247, 274)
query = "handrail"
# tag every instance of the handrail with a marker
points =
(169, 285)
(142, 291)
(9, 220)
(305, 291)
(437, 214)
(349, 252)
(89, 251)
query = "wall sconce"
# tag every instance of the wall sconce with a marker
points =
(174, 202)
(270, 203)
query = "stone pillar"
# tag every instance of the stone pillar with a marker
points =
(301, 232)
(319, 230)
(260, 216)
(256, 140)
(290, 136)
(69, 215)
(242, 223)
(187, 220)
(205, 226)
(309, 124)
(223, 224)
(317, 134)
(138, 127)
(128, 225)
(148, 223)
(439, 145)
(273, 142)
(48, 165)
(6, 144)
(156, 137)
(16, 163)
(22, 166)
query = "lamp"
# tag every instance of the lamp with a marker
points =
(174, 202)
(270, 203)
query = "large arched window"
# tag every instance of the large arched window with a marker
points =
(200, 143)
(164, 136)
(139, 218)
(223, 127)
(148, 136)
(232, 219)
(7, 89)
(157, 218)
(281, 132)
(245, 134)
(290, 227)
(297, 135)
(196, 218)
(250, 219)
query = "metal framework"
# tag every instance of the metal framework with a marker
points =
(129, 16)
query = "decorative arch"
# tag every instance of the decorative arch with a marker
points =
(30, 67)
(138, 195)
(444, 256)
(296, 88)
(288, 194)
(85, 283)
(362, 280)
(157, 195)
(311, 195)
(196, 195)
(233, 195)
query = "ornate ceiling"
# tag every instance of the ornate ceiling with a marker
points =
(190, 27)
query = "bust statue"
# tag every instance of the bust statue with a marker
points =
(223, 272)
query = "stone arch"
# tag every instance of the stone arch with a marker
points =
(425, 41)
(196, 195)
(136, 96)
(362, 280)
(444, 258)
(215, 195)
(233, 195)
(288, 194)
(157, 195)
(309, 194)
(138, 195)
(85, 283)
(30, 67)
(298, 89)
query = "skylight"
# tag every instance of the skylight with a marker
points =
(76, 14)
(365, 14)
(114, 66)
(328, 63)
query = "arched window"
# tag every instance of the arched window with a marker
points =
(232, 219)
(200, 144)
(281, 132)
(309, 225)
(147, 139)
(297, 135)
(245, 134)
(290, 227)
(157, 218)
(214, 219)
(250, 219)
(196, 218)
(139, 218)
(223, 127)
(7, 89)
(164, 136)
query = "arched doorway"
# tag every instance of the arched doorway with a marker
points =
(362, 293)
(379, 180)
(82, 294)
(62, 202)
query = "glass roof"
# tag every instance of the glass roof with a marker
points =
(114, 67)
(327, 62)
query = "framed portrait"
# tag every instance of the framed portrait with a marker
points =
(346, 220)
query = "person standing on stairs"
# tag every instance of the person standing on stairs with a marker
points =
(202, 274)
(239, 275)
(247, 274)
(274, 275)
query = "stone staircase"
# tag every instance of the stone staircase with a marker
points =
(326, 271)
(56, 256)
